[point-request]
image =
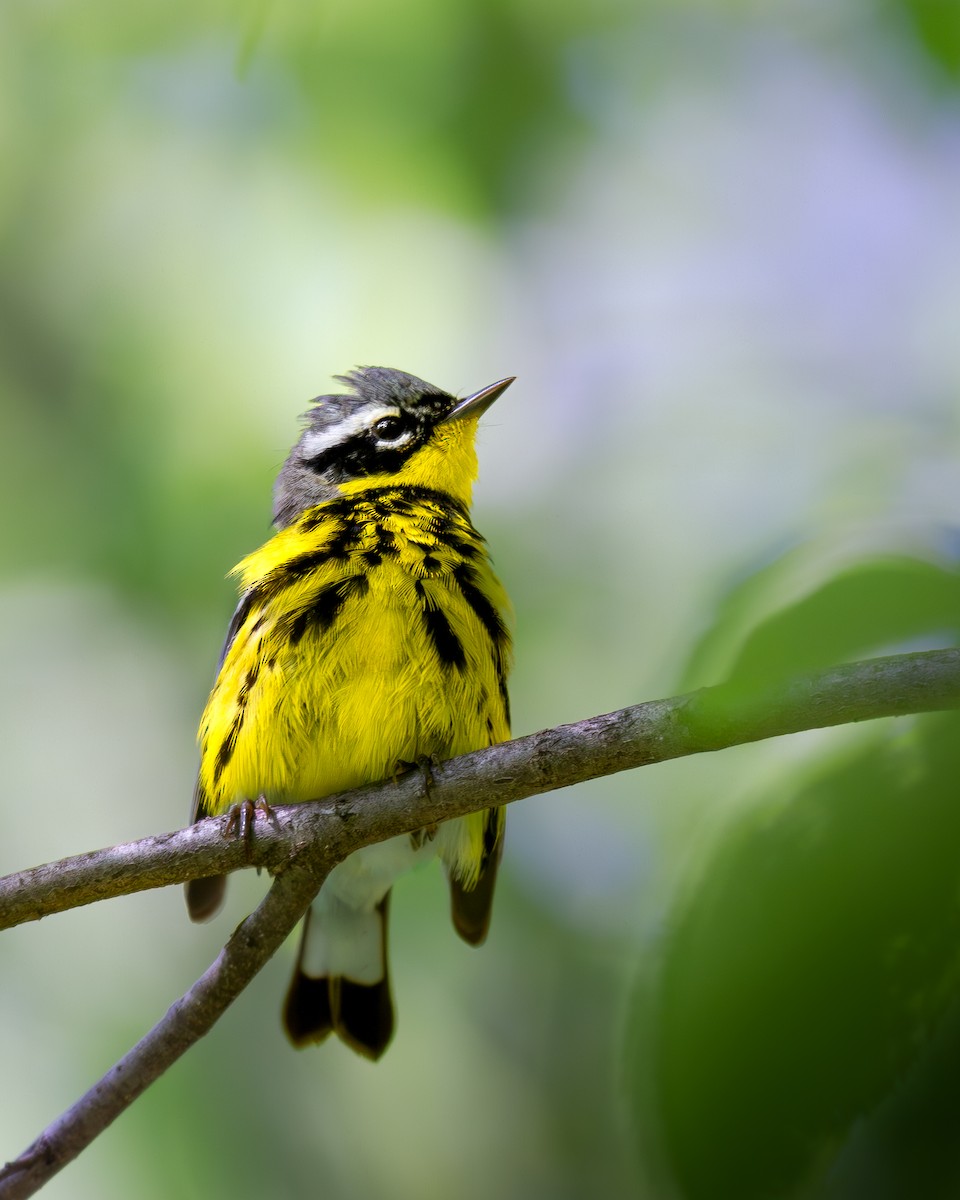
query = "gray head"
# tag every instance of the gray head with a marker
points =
(375, 429)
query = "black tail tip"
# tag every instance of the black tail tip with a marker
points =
(360, 1014)
(307, 1013)
(364, 1016)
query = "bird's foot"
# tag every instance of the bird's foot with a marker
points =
(241, 819)
(420, 837)
(424, 765)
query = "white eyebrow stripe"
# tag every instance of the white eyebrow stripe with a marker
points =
(318, 440)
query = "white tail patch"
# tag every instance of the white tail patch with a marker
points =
(344, 937)
(344, 943)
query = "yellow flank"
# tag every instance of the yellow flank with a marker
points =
(368, 634)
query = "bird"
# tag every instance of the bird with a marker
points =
(371, 634)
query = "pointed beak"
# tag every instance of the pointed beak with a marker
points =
(479, 402)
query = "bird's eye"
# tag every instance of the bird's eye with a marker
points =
(390, 429)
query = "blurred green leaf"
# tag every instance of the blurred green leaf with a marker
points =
(936, 24)
(907, 1147)
(450, 106)
(872, 606)
(807, 972)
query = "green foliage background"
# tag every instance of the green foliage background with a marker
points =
(718, 244)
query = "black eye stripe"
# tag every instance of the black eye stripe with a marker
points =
(380, 448)
(361, 456)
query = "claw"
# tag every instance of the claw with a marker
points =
(425, 764)
(420, 837)
(241, 819)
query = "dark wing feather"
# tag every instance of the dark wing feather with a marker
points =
(204, 896)
(470, 908)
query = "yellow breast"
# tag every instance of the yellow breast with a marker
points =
(369, 634)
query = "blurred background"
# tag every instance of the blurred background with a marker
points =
(718, 241)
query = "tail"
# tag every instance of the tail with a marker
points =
(341, 983)
(471, 907)
(204, 896)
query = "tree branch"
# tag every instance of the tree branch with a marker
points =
(250, 946)
(709, 719)
(302, 843)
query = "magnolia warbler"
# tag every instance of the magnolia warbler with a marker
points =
(370, 634)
